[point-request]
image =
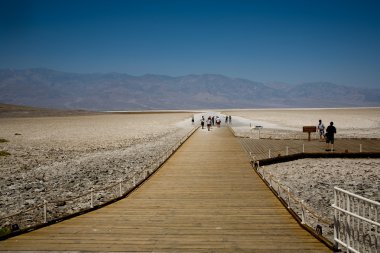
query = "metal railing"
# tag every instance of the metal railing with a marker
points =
(356, 219)
(356, 222)
(271, 153)
(305, 213)
(285, 151)
(54, 210)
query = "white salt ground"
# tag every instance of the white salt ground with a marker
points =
(288, 123)
(56, 158)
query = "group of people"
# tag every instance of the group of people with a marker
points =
(212, 121)
(328, 136)
(325, 134)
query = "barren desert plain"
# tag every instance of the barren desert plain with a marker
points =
(60, 157)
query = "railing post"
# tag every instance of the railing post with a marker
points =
(360, 148)
(335, 220)
(377, 229)
(303, 148)
(348, 236)
(45, 211)
(92, 198)
(303, 212)
(263, 173)
(270, 179)
(269, 153)
(288, 198)
(287, 150)
(120, 190)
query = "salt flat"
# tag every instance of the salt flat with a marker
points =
(287, 123)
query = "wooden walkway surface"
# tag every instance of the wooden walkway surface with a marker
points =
(205, 198)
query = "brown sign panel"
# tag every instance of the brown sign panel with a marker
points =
(308, 129)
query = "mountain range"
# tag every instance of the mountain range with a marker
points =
(115, 91)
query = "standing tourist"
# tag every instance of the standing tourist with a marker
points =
(217, 121)
(209, 123)
(203, 122)
(321, 129)
(330, 131)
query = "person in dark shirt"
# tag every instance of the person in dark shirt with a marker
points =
(330, 132)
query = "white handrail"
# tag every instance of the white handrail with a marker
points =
(345, 232)
(357, 196)
(356, 216)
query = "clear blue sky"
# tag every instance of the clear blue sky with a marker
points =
(267, 40)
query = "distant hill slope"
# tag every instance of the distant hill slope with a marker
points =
(8, 110)
(114, 91)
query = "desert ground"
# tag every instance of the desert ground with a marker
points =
(65, 156)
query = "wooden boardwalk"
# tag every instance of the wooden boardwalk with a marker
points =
(205, 198)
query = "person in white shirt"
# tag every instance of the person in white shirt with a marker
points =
(321, 129)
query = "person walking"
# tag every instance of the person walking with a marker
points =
(203, 122)
(209, 123)
(321, 130)
(330, 132)
(217, 121)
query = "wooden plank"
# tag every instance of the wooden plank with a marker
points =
(205, 198)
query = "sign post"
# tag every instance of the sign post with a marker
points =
(309, 130)
(258, 128)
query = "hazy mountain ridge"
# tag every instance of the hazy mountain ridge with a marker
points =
(114, 91)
